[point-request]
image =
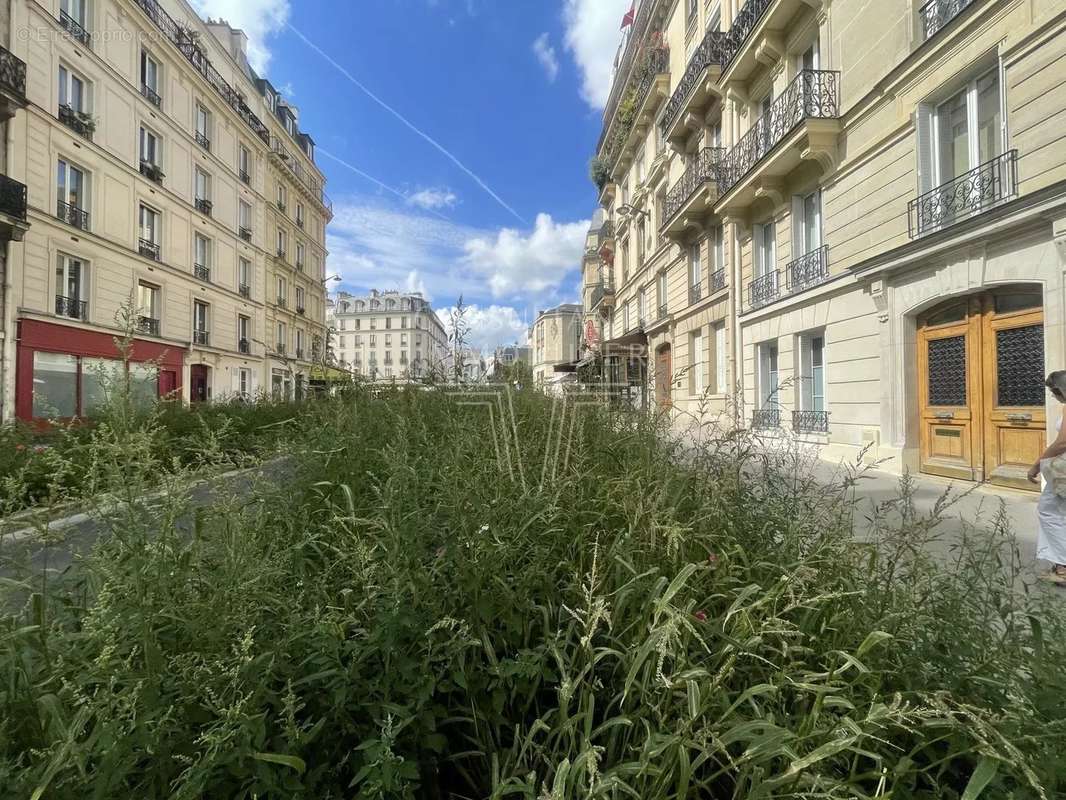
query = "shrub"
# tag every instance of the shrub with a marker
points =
(426, 607)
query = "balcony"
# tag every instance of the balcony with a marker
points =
(299, 352)
(244, 346)
(148, 325)
(244, 290)
(149, 94)
(202, 338)
(202, 272)
(966, 196)
(306, 180)
(802, 124)
(281, 206)
(604, 293)
(279, 348)
(204, 206)
(281, 253)
(650, 83)
(717, 281)
(244, 176)
(758, 35)
(281, 303)
(152, 172)
(766, 419)
(661, 312)
(810, 421)
(938, 13)
(695, 293)
(203, 141)
(78, 121)
(764, 290)
(75, 29)
(12, 210)
(245, 233)
(807, 271)
(693, 194)
(300, 223)
(71, 307)
(697, 87)
(12, 84)
(72, 215)
(301, 310)
(148, 249)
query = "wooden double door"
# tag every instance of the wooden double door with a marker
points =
(980, 366)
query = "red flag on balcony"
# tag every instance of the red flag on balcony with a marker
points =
(630, 16)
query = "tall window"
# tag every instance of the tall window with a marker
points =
(698, 363)
(148, 304)
(244, 215)
(202, 251)
(75, 9)
(282, 286)
(720, 360)
(807, 213)
(300, 297)
(151, 229)
(299, 254)
(149, 72)
(151, 151)
(812, 366)
(967, 129)
(283, 195)
(70, 282)
(244, 329)
(200, 317)
(642, 306)
(692, 8)
(244, 275)
(695, 268)
(71, 185)
(283, 242)
(768, 375)
(244, 382)
(244, 161)
(203, 185)
(662, 290)
(299, 341)
(203, 126)
(281, 334)
(717, 248)
(72, 90)
(714, 18)
(765, 243)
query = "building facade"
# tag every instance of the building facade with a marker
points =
(555, 341)
(387, 335)
(854, 215)
(171, 194)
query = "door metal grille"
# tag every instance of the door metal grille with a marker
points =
(947, 371)
(1020, 366)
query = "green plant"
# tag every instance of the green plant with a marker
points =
(599, 172)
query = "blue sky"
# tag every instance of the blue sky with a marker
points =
(468, 173)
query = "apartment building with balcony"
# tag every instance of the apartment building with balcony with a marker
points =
(889, 204)
(150, 150)
(387, 336)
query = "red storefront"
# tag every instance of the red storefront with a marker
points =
(58, 368)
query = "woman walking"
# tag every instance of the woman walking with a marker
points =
(1051, 510)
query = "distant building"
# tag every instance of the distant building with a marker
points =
(386, 336)
(507, 356)
(554, 339)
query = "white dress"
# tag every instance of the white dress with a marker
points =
(1051, 511)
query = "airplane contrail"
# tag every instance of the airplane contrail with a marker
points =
(407, 122)
(375, 181)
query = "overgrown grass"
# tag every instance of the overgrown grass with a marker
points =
(422, 614)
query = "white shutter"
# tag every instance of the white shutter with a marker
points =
(924, 147)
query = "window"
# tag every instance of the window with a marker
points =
(812, 372)
(244, 331)
(692, 8)
(201, 253)
(70, 287)
(721, 382)
(203, 185)
(695, 268)
(373, 340)
(244, 276)
(299, 341)
(714, 17)
(244, 382)
(283, 242)
(388, 340)
(55, 385)
(300, 214)
(73, 92)
(765, 245)
(150, 76)
(75, 9)
(148, 306)
(640, 173)
(662, 289)
(768, 376)
(807, 211)
(811, 58)
(150, 225)
(71, 184)
(281, 334)
(283, 195)
(299, 297)
(203, 127)
(281, 290)
(299, 254)
(642, 304)
(244, 163)
(967, 129)
(151, 150)
(200, 312)
(698, 363)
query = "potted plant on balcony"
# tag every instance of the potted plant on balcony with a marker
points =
(599, 172)
(86, 120)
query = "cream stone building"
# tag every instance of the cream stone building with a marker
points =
(387, 335)
(164, 177)
(555, 341)
(853, 213)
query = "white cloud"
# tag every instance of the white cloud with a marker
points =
(519, 263)
(259, 19)
(545, 54)
(592, 36)
(430, 199)
(489, 326)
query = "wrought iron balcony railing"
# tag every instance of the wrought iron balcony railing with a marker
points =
(281, 254)
(185, 41)
(766, 418)
(201, 337)
(281, 207)
(695, 293)
(204, 206)
(71, 307)
(299, 352)
(300, 222)
(810, 421)
(701, 171)
(714, 49)
(661, 312)
(808, 270)
(656, 61)
(764, 290)
(246, 233)
(813, 94)
(12, 198)
(279, 348)
(72, 215)
(301, 310)
(306, 178)
(148, 249)
(244, 176)
(151, 95)
(203, 141)
(717, 281)
(12, 73)
(281, 302)
(149, 325)
(599, 292)
(202, 272)
(152, 172)
(636, 38)
(963, 197)
(244, 346)
(75, 28)
(78, 121)
(938, 13)
(743, 25)
(244, 290)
